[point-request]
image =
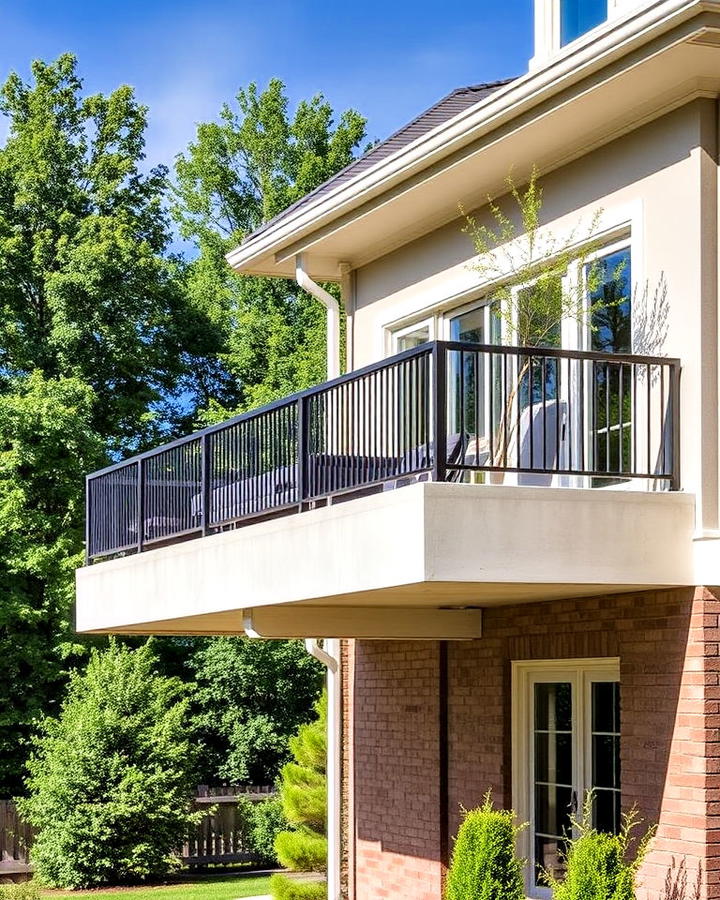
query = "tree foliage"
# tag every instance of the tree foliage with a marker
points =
(86, 287)
(238, 173)
(112, 776)
(93, 322)
(47, 444)
(250, 697)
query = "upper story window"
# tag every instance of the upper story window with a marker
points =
(579, 16)
(560, 22)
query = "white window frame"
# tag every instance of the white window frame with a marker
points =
(581, 673)
(393, 335)
(583, 337)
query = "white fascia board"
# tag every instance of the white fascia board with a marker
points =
(619, 37)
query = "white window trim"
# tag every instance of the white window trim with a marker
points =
(393, 335)
(524, 674)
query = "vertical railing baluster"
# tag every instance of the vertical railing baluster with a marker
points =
(675, 412)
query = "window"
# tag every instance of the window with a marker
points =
(566, 742)
(414, 336)
(579, 16)
(611, 332)
(469, 399)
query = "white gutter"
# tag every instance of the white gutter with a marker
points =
(333, 316)
(329, 656)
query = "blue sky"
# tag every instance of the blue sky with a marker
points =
(185, 58)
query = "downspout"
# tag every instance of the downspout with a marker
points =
(333, 315)
(329, 656)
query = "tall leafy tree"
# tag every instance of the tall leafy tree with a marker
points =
(87, 289)
(93, 321)
(240, 171)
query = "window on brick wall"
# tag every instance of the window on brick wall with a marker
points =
(566, 743)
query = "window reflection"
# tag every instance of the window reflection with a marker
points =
(579, 16)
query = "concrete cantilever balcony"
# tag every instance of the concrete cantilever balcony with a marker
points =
(494, 421)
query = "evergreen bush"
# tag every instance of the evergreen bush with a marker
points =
(111, 779)
(283, 888)
(303, 793)
(599, 865)
(484, 864)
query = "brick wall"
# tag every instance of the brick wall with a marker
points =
(667, 643)
(397, 798)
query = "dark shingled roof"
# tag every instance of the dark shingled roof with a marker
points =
(442, 111)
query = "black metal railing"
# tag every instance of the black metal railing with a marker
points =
(442, 411)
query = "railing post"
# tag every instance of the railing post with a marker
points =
(140, 504)
(439, 472)
(88, 530)
(205, 483)
(675, 412)
(303, 448)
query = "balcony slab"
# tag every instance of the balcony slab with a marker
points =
(427, 546)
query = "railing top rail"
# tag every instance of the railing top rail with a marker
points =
(425, 349)
(591, 355)
(421, 350)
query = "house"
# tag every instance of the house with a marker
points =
(512, 553)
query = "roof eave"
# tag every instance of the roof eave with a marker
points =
(616, 39)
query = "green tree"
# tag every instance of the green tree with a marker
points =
(111, 778)
(87, 289)
(250, 697)
(240, 172)
(47, 443)
(93, 322)
(303, 791)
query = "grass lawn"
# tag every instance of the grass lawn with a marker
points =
(218, 888)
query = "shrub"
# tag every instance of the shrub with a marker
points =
(303, 792)
(302, 850)
(599, 865)
(26, 891)
(266, 820)
(111, 778)
(484, 865)
(284, 888)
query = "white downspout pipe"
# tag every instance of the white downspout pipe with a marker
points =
(329, 656)
(333, 315)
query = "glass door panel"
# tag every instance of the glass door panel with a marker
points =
(612, 400)
(605, 752)
(554, 794)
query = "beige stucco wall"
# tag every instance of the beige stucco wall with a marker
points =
(658, 184)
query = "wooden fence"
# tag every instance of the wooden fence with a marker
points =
(220, 838)
(15, 842)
